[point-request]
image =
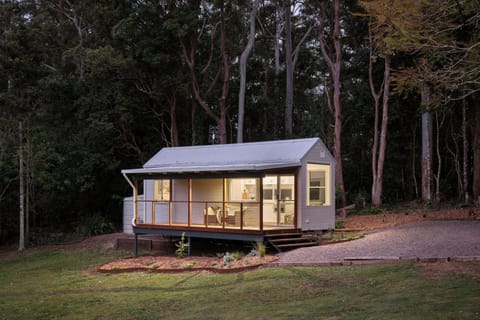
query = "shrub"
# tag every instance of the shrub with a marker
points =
(339, 224)
(182, 247)
(94, 225)
(237, 255)
(261, 248)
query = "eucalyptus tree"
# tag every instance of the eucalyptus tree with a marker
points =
(243, 69)
(446, 48)
(329, 19)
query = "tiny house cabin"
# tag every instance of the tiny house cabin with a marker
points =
(233, 191)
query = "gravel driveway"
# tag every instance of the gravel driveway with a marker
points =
(427, 240)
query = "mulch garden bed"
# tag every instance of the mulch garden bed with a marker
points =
(168, 264)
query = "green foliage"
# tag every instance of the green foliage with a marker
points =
(339, 224)
(182, 247)
(227, 258)
(81, 129)
(370, 210)
(261, 248)
(94, 225)
(237, 255)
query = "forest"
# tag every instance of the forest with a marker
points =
(88, 88)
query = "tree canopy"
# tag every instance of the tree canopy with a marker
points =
(100, 86)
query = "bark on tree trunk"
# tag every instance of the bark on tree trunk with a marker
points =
(437, 175)
(222, 125)
(21, 240)
(173, 120)
(426, 146)
(378, 151)
(289, 71)
(189, 58)
(377, 198)
(243, 71)
(276, 86)
(476, 149)
(334, 63)
(465, 151)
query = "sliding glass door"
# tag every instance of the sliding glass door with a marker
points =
(279, 200)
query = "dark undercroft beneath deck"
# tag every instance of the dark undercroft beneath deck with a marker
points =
(189, 233)
(221, 234)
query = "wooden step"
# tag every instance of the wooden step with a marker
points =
(291, 234)
(302, 238)
(281, 231)
(297, 245)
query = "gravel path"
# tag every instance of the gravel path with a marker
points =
(427, 240)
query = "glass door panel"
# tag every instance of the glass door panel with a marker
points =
(278, 200)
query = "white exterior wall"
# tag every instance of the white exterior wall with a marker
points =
(316, 217)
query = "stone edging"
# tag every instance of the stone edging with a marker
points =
(180, 270)
(373, 260)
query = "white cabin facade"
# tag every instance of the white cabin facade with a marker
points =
(233, 191)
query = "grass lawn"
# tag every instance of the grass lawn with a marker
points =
(53, 285)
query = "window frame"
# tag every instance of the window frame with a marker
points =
(326, 169)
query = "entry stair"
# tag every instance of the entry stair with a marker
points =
(292, 239)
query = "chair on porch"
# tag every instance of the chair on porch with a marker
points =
(213, 216)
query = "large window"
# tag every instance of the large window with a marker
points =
(162, 190)
(242, 189)
(318, 185)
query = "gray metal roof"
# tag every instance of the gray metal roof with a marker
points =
(252, 156)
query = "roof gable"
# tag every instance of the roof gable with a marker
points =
(252, 153)
(239, 157)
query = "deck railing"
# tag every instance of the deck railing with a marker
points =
(201, 214)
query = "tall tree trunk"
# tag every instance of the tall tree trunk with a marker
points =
(222, 125)
(224, 69)
(476, 149)
(414, 158)
(426, 145)
(172, 100)
(192, 119)
(378, 152)
(334, 64)
(377, 196)
(276, 87)
(243, 70)
(437, 175)
(465, 151)
(289, 71)
(21, 240)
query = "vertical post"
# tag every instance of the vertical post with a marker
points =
(260, 203)
(189, 201)
(189, 247)
(21, 242)
(296, 193)
(206, 214)
(241, 215)
(224, 199)
(135, 250)
(153, 211)
(135, 201)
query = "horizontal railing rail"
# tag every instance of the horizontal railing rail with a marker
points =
(244, 215)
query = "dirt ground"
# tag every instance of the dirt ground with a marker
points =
(374, 222)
